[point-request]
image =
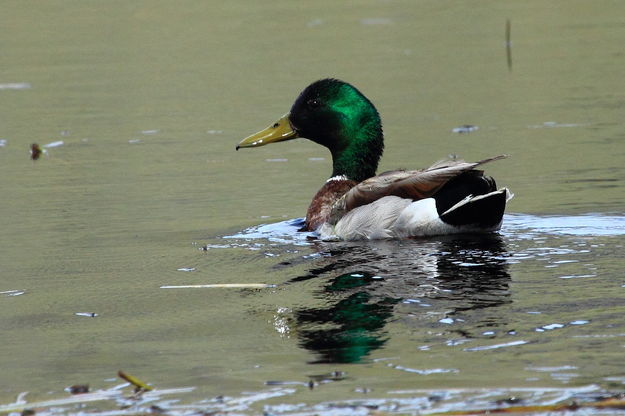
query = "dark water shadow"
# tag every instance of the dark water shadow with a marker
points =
(364, 282)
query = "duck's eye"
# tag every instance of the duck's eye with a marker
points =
(314, 103)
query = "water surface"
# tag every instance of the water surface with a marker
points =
(141, 104)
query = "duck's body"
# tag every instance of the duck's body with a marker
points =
(448, 197)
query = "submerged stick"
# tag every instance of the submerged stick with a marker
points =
(223, 285)
(508, 44)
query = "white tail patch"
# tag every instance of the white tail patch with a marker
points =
(421, 218)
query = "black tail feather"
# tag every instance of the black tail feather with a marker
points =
(480, 211)
(472, 182)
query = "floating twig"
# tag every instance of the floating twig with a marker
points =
(140, 385)
(509, 44)
(223, 285)
(88, 314)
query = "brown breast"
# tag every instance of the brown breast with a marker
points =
(321, 205)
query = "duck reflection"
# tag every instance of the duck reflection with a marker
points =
(350, 328)
(474, 273)
(365, 282)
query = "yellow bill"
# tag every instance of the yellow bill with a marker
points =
(279, 131)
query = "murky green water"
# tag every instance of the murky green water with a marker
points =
(149, 99)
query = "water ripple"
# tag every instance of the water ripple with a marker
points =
(528, 226)
(522, 226)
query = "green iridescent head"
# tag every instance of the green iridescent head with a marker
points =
(336, 115)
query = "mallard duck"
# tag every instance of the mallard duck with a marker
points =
(449, 197)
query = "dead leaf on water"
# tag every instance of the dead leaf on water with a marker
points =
(78, 389)
(35, 151)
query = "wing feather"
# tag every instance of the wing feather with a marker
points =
(412, 184)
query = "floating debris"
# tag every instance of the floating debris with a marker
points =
(12, 292)
(3, 142)
(15, 86)
(509, 44)
(214, 131)
(100, 395)
(78, 389)
(54, 144)
(284, 383)
(277, 160)
(554, 124)
(327, 377)
(423, 401)
(140, 386)
(549, 327)
(186, 269)
(133, 141)
(616, 402)
(35, 151)
(427, 371)
(363, 390)
(223, 285)
(456, 341)
(156, 409)
(465, 128)
(496, 346)
(577, 276)
(551, 369)
(509, 401)
(87, 314)
(147, 132)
